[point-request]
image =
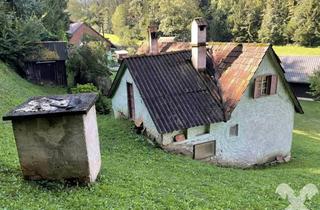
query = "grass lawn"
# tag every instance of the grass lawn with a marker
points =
(136, 175)
(113, 38)
(292, 50)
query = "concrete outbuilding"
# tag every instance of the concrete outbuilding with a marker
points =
(57, 137)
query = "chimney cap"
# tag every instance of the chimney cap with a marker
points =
(201, 21)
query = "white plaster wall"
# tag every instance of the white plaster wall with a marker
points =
(265, 126)
(120, 105)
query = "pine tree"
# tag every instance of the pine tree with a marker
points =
(305, 23)
(176, 16)
(218, 26)
(274, 22)
(55, 17)
(245, 20)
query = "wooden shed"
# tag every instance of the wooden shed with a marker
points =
(47, 65)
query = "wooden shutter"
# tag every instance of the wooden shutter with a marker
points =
(257, 91)
(274, 84)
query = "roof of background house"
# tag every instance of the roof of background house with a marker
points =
(161, 78)
(164, 46)
(73, 27)
(167, 39)
(49, 50)
(299, 68)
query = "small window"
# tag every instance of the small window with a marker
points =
(234, 130)
(265, 85)
(202, 28)
(207, 129)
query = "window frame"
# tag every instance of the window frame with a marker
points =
(265, 85)
(234, 130)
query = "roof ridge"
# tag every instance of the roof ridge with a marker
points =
(156, 55)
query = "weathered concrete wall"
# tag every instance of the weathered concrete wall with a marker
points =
(55, 148)
(92, 143)
(265, 126)
(120, 105)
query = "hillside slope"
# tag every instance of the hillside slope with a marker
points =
(13, 91)
(136, 175)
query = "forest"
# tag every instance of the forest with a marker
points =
(278, 22)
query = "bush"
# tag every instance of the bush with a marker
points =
(315, 84)
(86, 88)
(102, 104)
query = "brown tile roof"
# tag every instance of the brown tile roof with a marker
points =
(235, 66)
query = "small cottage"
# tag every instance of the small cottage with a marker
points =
(47, 64)
(298, 69)
(226, 102)
(78, 30)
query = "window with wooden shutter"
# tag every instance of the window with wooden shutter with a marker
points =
(265, 85)
(274, 84)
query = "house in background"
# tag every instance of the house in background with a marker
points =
(78, 30)
(298, 69)
(47, 65)
(229, 103)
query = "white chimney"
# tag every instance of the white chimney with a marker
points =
(153, 39)
(198, 43)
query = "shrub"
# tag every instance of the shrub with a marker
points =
(102, 104)
(315, 84)
(86, 88)
(89, 64)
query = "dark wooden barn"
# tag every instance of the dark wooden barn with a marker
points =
(47, 65)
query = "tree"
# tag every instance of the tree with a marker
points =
(120, 25)
(305, 23)
(55, 18)
(245, 20)
(97, 13)
(18, 35)
(217, 17)
(89, 64)
(315, 84)
(176, 16)
(274, 21)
